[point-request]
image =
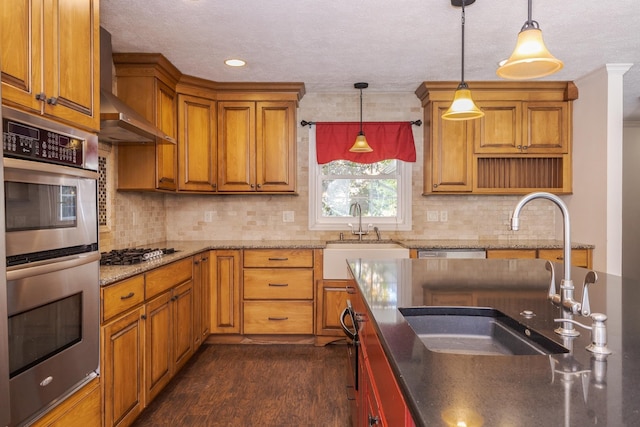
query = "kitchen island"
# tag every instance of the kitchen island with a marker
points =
(576, 388)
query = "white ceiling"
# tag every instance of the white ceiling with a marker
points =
(393, 45)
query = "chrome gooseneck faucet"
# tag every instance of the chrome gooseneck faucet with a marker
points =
(565, 299)
(356, 210)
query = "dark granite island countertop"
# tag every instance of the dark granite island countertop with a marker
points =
(573, 389)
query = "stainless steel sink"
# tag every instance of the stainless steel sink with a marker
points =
(476, 331)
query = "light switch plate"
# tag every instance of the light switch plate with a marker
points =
(432, 216)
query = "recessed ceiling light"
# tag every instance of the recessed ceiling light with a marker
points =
(235, 62)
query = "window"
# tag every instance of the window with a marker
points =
(382, 189)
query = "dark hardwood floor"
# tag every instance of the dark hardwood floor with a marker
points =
(256, 385)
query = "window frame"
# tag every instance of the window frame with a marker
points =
(401, 222)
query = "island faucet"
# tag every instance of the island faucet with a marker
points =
(356, 210)
(565, 300)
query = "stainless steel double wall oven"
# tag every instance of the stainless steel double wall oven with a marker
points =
(51, 232)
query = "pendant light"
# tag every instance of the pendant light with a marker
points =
(361, 145)
(462, 107)
(530, 58)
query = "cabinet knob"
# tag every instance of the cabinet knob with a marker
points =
(41, 96)
(435, 185)
(259, 185)
(143, 317)
(214, 185)
(52, 101)
(373, 420)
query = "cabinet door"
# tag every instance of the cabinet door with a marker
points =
(500, 128)
(72, 61)
(182, 324)
(332, 298)
(275, 146)
(204, 312)
(236, 146)
(225, 292)
(122, 368)
(158, 339)
(166, 122)
(197, 144)
(452, 147)
(21, 54)
(546, 127)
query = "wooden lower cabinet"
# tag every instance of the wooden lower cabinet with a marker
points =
(225, 299)
(145, 342)
(279, 291)
(331, 299)
(379, 399)
(82, 409)
(202, 295)
(122, 365)
(579, 257)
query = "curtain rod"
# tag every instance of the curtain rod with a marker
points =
(305, 123)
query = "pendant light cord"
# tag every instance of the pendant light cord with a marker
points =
(463, 84)
(361, 133)
(530, 22)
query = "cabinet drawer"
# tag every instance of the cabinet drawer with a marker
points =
(122, 296)
(278, 258)
(579, 257)
(273, 317)
(163, 278)
(278, 283)
(511, 253)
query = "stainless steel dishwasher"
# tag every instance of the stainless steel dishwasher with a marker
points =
(451, 253)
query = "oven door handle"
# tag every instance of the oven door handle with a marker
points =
(347, 312)
(31, 166)
(50, 267)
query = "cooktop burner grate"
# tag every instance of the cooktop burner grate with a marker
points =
(133, 255)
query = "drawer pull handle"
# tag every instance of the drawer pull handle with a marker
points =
(278, 318)
(129, 295)
(279, 284)
(278, 259)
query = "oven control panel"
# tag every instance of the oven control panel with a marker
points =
(30, 142)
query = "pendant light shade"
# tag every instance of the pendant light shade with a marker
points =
(530, 59)
(462, 107)
(361, 145)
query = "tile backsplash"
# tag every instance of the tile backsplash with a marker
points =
(143, 218)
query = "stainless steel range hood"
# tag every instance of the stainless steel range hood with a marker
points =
(120, 123)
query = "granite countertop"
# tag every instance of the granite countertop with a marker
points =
(186, 248)
(573, 389)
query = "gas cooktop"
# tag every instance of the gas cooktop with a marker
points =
(133, 255)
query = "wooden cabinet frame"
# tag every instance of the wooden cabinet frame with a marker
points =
(522, 144)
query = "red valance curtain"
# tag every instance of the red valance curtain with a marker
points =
(389, 140)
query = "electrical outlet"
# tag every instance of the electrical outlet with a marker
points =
(444, 216)
(208, 216)
(288, 216)
(432, 216)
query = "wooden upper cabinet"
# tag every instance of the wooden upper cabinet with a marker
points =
(256, 146)
(522, 144)
(236, 146)
(547, 128)
(448, 152)
(197, 155)
(50, 59)
(276, 146)
(500, 128)
(147, 82)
